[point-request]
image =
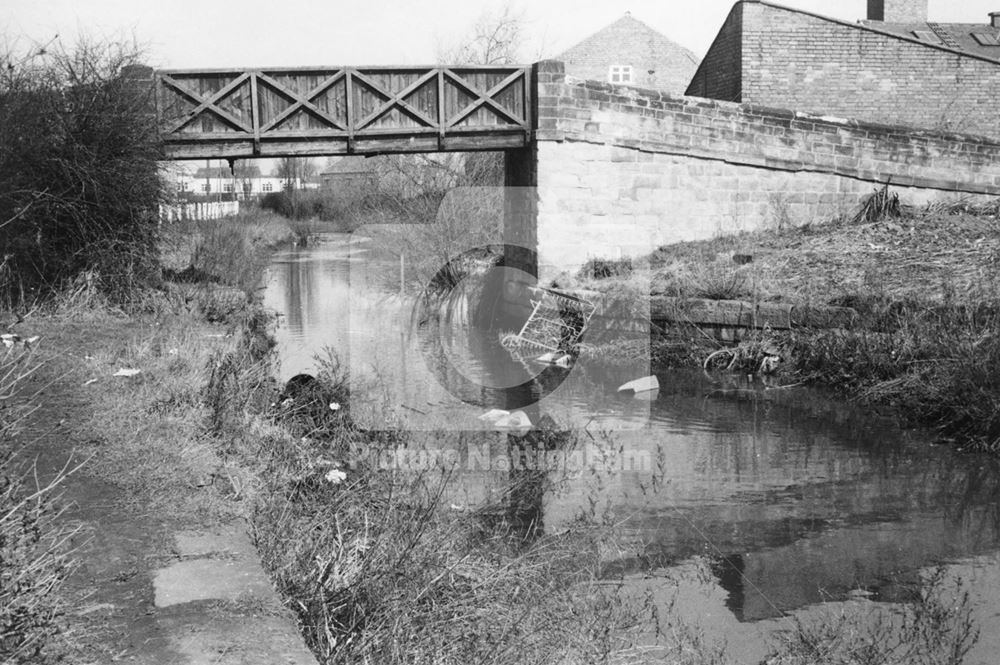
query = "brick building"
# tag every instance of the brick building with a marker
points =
(893, 68)
(629, 52)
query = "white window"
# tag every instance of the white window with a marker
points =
(267, 187)
(205, 187)
(620, 74)
(987, 38)
(228, 187)
(927, 36)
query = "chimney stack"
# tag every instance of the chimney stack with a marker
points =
(995, 19)
(898, 11)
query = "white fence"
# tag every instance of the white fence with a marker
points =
(206, 210)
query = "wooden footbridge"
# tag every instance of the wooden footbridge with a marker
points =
(243, 113)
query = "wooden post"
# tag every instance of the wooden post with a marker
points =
(402, 274)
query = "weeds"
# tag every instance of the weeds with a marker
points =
(606, 268)
(935, 629)
(939, 366)
(213, 268)
(381, 571)
(34, 556)
(881, 205)
(712, 280)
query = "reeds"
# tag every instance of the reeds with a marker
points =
(940, 366)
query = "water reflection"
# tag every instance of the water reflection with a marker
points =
(793, 498)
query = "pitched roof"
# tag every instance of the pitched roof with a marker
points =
(629, 41)
(956, 36)
(961, 40)
(350, 164)
(213, 172)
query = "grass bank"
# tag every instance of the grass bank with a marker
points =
(925, 282)
(115, 390)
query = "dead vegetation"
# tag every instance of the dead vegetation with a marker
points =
(925, 283)
(35, 557)
(931, 254)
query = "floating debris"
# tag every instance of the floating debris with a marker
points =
(505, 420)
(556, 323)
(647, 395)
(518, 420)
(554, 358)
(493, 415)
(644, 384)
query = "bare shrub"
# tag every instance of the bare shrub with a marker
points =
(78, 170)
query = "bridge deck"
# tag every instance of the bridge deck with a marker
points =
(339, 111)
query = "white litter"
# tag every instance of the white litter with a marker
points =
(554, 358)
(126, 372)
(493, 415)
(647, 395)
(641, 385)
(516, 420)
(89, 381)
(334, 406)
(335, 476)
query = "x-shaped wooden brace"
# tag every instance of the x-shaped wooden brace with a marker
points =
(484, 99)
(210, 104)
(396, 100)
(302, 101)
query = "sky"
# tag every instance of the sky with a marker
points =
(284, 33)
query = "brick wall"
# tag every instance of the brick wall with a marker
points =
(800, 61)
(898, 11)
(623, 170)
(720, 73)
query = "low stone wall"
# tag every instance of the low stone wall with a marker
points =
(621, 171)
(730, 320)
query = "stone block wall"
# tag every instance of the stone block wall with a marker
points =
(621, 171)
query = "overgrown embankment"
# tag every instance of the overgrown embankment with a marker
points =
(926, 286)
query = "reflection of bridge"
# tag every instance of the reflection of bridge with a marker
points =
(608, 170)
(317, 111)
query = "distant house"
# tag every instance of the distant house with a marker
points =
(896, 67)
(629, 52)
(219, 181)
(349, 173)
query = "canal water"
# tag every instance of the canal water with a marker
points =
(741, 505)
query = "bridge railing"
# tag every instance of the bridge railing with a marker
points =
(324, 111)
